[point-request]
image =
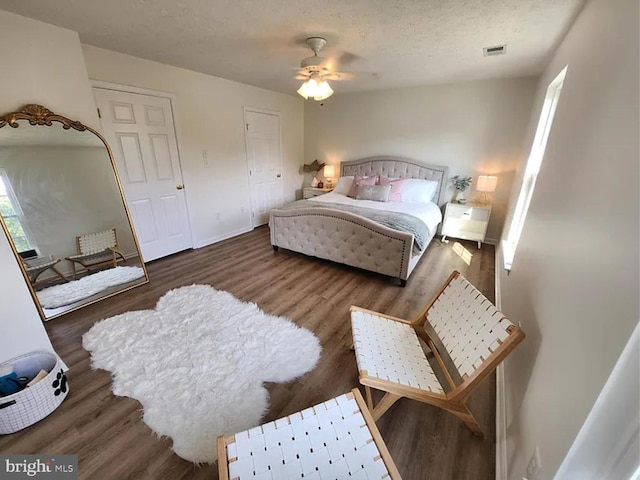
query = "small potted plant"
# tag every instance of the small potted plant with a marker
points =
(461, 184)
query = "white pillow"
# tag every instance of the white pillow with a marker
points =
(419, 191)
(343, 185)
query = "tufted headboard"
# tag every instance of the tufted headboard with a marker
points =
(398, 167)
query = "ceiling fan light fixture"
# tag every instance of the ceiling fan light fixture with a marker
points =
(323, 92)
(308, 88)
(317, 90)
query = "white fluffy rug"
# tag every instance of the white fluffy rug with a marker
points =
(197, 363)
(75, 290)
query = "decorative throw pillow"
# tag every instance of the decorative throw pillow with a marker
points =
(377, 193)
(359, 180)
(343, 185)
(397, 187)
(419, 191)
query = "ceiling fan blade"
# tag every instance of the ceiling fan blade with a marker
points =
(348, 58)
(302, 77)
(340, 76)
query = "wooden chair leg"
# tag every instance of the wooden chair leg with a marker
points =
(385, 404)
(367, 391)
(469, 420)
(59, 273)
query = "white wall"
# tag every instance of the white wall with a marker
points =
(41, 64)
(475, 128)
(574, 283)
(608, 445)
(209, 115)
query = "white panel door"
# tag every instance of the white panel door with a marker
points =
(265, 164)
(140, 131)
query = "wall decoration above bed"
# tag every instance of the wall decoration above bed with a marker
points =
(387, 237)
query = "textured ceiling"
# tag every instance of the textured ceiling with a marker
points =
(261, 42)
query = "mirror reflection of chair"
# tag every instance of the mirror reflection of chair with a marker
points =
(468, 338)
(37, 266)
(96, 250)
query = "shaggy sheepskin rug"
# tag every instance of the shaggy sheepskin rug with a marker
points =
(75, 290)
(197, 364)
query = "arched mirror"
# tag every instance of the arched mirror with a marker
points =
(63, 211)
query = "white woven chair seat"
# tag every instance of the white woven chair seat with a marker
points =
(38, 265)
(391, 351)
(328, 441)
(92, 256)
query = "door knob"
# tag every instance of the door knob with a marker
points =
(278, 176)
(179, 187)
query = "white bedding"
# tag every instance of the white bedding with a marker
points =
(429, 213)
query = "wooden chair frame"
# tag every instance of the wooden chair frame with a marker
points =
(85, 260)
(455, 399)
(34, 271)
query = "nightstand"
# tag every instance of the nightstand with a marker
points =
(467, 221)
(309, 192)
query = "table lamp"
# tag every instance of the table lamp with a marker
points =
(486, 184)
(329, 172)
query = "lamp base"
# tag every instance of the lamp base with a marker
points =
(483, 199)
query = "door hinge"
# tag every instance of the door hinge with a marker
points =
(247, 127)
(99, 114)
(250, 172)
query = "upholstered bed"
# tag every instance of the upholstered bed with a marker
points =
(351, 239)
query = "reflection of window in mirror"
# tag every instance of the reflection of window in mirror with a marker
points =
(13, 216)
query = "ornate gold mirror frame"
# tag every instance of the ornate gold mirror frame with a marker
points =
(37, 115)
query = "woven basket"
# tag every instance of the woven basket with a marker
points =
(28, 406)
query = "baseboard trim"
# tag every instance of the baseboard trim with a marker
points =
(211, 240)
(501, 412)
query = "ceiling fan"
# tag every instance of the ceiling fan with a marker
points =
(315, 70)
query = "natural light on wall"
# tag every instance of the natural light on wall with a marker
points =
(12, 215)
(510, 244)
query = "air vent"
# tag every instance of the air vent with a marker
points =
(495, 50)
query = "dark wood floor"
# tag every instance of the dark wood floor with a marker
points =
(111, 440)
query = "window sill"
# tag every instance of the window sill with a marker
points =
(508, 252)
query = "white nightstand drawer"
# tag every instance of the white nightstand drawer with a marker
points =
(468, 212)
(468, 222)
(468, 230)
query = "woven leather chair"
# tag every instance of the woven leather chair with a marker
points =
(336, 439)
(467, 336)
(96, 250)
(37, 266)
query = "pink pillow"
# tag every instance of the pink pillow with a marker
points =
(359, 180)
(397, 186)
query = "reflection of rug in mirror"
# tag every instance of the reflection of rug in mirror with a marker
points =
(197, 364)
(76, 290)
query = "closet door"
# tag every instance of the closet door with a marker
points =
(140, 131)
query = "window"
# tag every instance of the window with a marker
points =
(12, 215)
(510, 244)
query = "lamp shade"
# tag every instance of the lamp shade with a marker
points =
(317, 88)
(329, 171)
(487, 183)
